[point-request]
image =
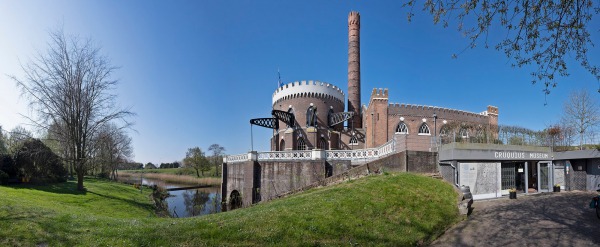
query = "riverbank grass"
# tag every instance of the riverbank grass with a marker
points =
(173, 178)
(395, 210)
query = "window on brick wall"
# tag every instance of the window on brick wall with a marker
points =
(401, 128)
(301, 144)
(424, 129)
(479, 133)
(444, 131)
(353, 141)
(322, 144)
(282, 145)
(463, 133)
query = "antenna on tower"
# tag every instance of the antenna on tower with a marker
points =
(279, 82)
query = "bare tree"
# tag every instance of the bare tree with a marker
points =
(217, 156)
(540, 33)
(71, 85)
(581, 112)
(17, 136)
(111, 146)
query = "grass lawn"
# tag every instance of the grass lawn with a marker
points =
(394, 210)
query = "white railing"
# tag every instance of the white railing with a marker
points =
(237, 158)
(388, 148)
(365, 154)
(285, 155)
(358, 155)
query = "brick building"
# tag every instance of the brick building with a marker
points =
(317, 120)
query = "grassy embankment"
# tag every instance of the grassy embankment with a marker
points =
(175, 175)
(394, 210)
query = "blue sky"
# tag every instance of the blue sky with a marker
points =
(195, 72)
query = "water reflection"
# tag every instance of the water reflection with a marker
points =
(186, 203)
(194, 202)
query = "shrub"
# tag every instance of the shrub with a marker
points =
(3, 177)
(8, 166)
(37, 163)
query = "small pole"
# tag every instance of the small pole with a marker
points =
(141, 181)
(251, 139)
(435, 129)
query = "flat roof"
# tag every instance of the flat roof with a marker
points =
(579, 154)
(493, 152)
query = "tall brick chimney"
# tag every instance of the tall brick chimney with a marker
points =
(354, 68)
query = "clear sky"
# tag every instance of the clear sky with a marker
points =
(195, 72)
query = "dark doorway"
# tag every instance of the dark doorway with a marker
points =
(513, 175)
(533, 177)
(235, 200)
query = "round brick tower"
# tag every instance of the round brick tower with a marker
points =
(354, 68)
(300, 98)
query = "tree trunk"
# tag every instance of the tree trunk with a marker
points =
(80, 180)
(71, 168)
(197, 173)
(580, 140)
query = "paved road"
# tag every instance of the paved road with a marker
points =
(546, 219)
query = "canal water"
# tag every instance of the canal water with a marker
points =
(185, 203)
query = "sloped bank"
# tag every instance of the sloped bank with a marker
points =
(394, 210)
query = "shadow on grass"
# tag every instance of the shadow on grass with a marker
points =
(69, 187)
(128, 201)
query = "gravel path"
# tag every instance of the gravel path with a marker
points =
(546, 219)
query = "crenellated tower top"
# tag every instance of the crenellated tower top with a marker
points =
(307, 89)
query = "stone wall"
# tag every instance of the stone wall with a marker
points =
(337, 167)
(266, 180)
(421, 162)
(447, 172)
(277, 178)
(240, 178)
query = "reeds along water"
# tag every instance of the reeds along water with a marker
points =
(184, 179)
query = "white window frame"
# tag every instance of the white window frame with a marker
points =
(353, 141)
(301, 145)
(443, 131)
(405, 128)
(463, 133)
(424, 127)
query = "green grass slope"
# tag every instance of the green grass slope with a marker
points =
(394, 210)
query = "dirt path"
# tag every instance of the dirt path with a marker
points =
(547, 219)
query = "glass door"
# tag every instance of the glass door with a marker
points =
(543, 177)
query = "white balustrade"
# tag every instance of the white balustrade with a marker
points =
(237, 158)
(359, 154)
(366, 154)
(285, 155)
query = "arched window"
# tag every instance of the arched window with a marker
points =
(353, 141)
(463, 133)
(424, 129)
(311, 116)
(282, 145)
(301, 144)
(322, 144)
(444, 131)
(479, 133)
(401, 128)
(291, 111)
